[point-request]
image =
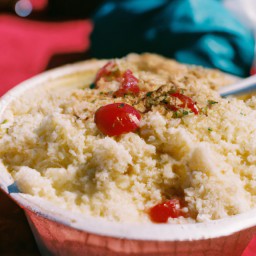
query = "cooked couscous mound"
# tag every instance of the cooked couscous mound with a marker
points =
(201, 150)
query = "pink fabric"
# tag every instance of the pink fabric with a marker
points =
(39, 4)
(27, 46)
(251, 248)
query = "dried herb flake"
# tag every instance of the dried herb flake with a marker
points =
(5, 121)
(92, 86)
(212, 102)
(121, 105)
(148, 94)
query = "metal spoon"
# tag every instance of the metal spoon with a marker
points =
(243, 86)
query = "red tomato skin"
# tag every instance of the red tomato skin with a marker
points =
(116, 119)
(169, 209)
(106, 70)
(129, 85)
(186, 102)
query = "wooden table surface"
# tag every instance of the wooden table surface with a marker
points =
(16, 237)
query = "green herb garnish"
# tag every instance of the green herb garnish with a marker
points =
(175, 113)
(180, 113)
(212, 102)
(148, 94)
(92, 86)
(5, 121)
(121, 105)
(184, 112)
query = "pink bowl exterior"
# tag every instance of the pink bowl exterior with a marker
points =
(54, 238)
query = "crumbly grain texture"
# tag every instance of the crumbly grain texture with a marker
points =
(53, 149)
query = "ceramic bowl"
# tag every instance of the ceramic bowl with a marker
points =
(59, 232)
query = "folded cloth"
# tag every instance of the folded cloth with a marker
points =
(27, 46)
(251, 248)
(191, 31)
(25, 50)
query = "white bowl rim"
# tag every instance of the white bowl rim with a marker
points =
(99, 226)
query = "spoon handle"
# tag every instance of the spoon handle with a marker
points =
(241, 87)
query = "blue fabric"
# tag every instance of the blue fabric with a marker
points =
(192, 31)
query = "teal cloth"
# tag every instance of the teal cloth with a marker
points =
(198, 32)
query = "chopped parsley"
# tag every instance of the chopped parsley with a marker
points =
(121, 105)
(148, 94)
(210, 129)
(212, 102)
(180, 113)
(5, 121)
(204, 110)
(92, 86)
(184, 112)
(175, 114)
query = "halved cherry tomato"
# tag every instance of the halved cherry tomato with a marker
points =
(169, 209)
(116, 119)
(129, 85)
(186, 102)
(108, 69)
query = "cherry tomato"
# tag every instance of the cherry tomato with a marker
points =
(116, 119)
(107, 70)
(186, 102)
(169, 209)
(129, 85)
